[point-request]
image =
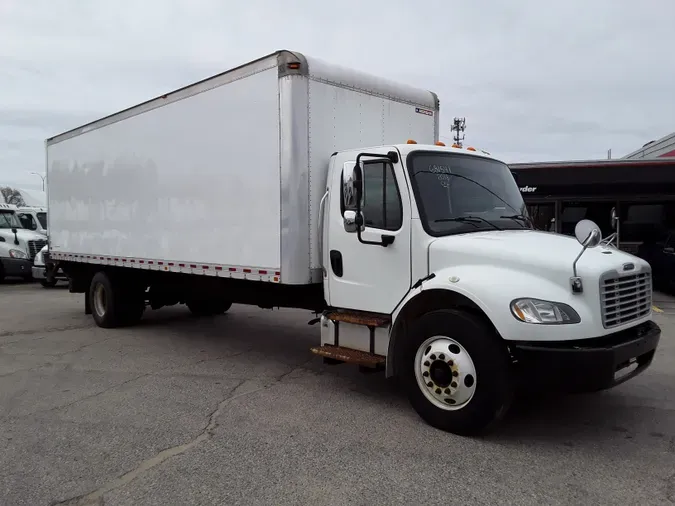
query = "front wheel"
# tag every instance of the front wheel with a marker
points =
(456, 372)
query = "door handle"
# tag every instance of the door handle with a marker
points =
(336, 262)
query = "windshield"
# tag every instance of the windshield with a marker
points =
(457, 193)
(42, 218)
(9, 220)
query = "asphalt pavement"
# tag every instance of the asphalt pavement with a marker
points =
(236, 410)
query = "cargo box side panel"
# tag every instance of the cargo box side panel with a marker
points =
(359, 119)
(194, 180)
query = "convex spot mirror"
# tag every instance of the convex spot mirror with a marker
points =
(588, 233)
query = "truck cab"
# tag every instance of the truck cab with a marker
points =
(431, 261)
(18, 246)
(33, 218)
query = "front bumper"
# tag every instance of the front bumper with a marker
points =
(16, 266)
(39, 272)
(587, 365)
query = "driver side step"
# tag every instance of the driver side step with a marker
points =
(350, 356)
(358, 318)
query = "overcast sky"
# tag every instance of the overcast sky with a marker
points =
(536, 80)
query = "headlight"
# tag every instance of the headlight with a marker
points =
(17, 253)
(543, 312)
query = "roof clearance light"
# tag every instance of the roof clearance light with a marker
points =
(439, 143)
(410, 141)
(456, 145)
(470, 149)
(294, 65)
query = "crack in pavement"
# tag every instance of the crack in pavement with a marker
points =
(10, 333)
(96, 498)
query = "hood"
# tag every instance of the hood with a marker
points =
(545, 253)
(23, 235)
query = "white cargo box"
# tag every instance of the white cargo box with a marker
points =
(223, 177)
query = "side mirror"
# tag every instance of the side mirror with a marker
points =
(352, 184)
(515, 175)
(14, 230)
(588, 234)
(351, 223)
(614, 218)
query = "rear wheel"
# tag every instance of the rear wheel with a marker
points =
(112, 303)
(456, 372)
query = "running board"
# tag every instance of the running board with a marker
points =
(355, 318)
(350, 356)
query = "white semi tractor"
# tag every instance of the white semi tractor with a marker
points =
(331, 192)
(18, 246)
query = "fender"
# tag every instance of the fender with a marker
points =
(487, 292)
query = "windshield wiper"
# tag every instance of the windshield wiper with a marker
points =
(518, 217)
(468, 219)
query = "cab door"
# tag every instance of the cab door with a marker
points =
(368, 274)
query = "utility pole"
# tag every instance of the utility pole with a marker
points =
(458, 126)
(41, 177)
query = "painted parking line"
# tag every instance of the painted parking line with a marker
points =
(657, 310)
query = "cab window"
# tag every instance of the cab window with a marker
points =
(27, 221)
(382, 207)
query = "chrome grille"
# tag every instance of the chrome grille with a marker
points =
(34, 247)
(625, 298)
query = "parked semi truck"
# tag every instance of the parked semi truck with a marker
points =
(18, 246)
(291, 182)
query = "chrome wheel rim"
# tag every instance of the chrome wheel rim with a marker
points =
(445, 373)
(100, 300)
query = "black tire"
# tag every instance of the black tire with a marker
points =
(494, 383)
(112, 303)
(208, 307)
(48, 283)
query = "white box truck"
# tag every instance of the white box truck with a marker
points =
(290, 182)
